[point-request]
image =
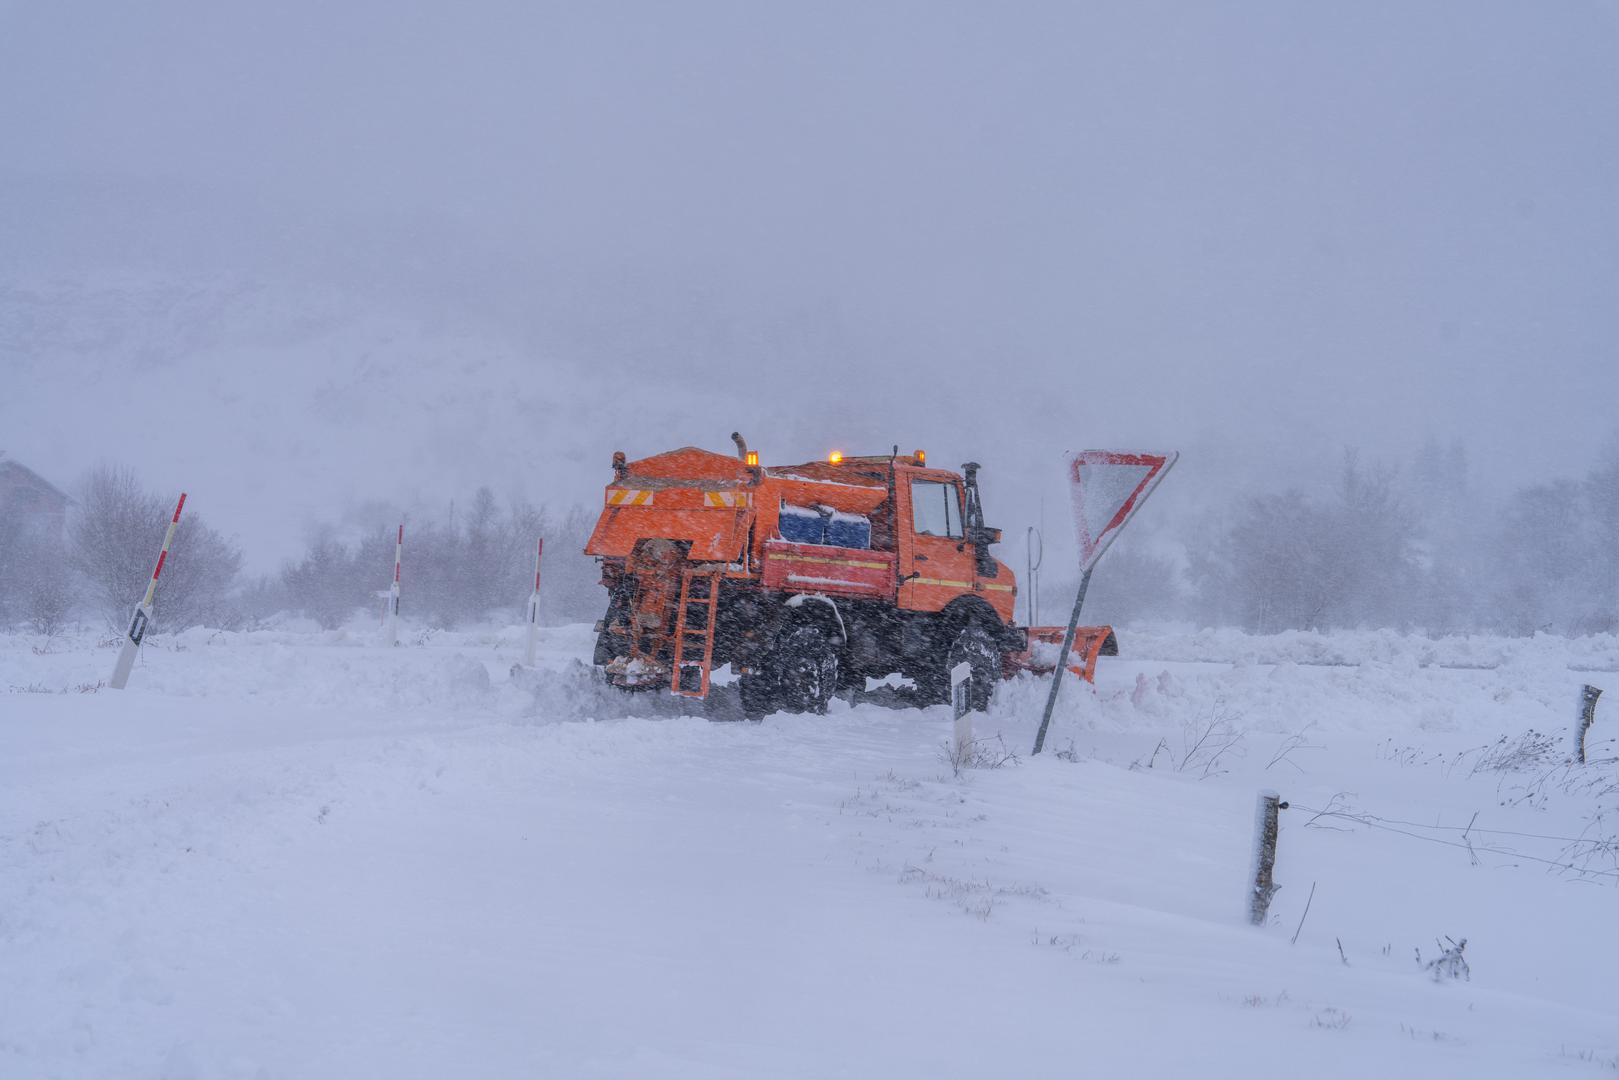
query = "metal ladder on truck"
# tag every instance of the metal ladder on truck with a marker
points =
(693, 656)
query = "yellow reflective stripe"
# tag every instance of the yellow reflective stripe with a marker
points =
(831, 560)
(945, 583)
(725, 498)
(628, 497)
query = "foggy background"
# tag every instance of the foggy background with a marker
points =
(323, 266)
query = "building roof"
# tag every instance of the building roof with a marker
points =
(15, 477)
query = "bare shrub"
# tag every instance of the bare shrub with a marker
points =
(1449, 964)
(973, 896)
(1298, 740)
(36, 585)
(1530, 750)
(1330, 1019)
(1205, 741)
(978, 754)
(47, 599)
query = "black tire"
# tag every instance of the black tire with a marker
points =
(976, 644)
(804, 669)
(758, 695)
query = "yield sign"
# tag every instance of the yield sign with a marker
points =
(1108, 487)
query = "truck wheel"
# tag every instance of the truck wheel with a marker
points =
(805, 665)
(758, 695)
(976, 645)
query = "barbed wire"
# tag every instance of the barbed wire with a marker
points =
(1372, 821)
(1469, 828)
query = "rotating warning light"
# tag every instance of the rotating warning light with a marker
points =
(921, 457)
(753, 457)
(835, 457)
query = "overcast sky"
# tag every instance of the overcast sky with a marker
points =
(1024, 227)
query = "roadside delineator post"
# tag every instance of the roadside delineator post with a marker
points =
(1267, 824)
(393, 590)
(534, 608)
(961, 678)
(143, 610)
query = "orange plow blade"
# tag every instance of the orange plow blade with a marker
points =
(1045, 644)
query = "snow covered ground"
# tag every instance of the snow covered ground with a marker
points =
(285, 854)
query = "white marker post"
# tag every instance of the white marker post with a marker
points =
(960, 682)
(393, 590)
(143, 610)
(534, 608)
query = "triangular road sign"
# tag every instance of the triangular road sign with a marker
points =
(1108, 487)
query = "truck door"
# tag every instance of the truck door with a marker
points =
(936, 564)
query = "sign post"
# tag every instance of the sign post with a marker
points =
(1107, 488)
(534, 608)
(393, 590)
(143, 610)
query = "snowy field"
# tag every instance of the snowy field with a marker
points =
(288, 854)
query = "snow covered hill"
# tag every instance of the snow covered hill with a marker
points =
(290, 855)
(310, 402)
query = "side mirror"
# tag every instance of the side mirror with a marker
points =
(981, 537)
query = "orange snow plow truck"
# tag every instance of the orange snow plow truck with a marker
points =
(809, 579)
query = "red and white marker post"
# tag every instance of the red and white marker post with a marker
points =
(393, 590)
(534, 608)
(143, 610)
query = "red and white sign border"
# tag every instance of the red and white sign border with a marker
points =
(1158, 464)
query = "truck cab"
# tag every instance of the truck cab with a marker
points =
(939, 561)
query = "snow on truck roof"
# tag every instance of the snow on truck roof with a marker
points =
(798, 478)
(691, 466)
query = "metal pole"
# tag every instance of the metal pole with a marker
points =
(393, 590)
(1028, 578)
(1032, 581)
(534, 608)
(1062, 662)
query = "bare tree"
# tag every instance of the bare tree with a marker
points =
(113, 538)
(1291, 562)
(1370, 538)
(1133, 585)
(325, 584)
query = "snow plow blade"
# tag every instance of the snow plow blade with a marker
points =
(1045, 643)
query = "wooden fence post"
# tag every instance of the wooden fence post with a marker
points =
(1588, 715)
(1266, 826)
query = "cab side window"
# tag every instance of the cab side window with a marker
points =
(935, 509)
